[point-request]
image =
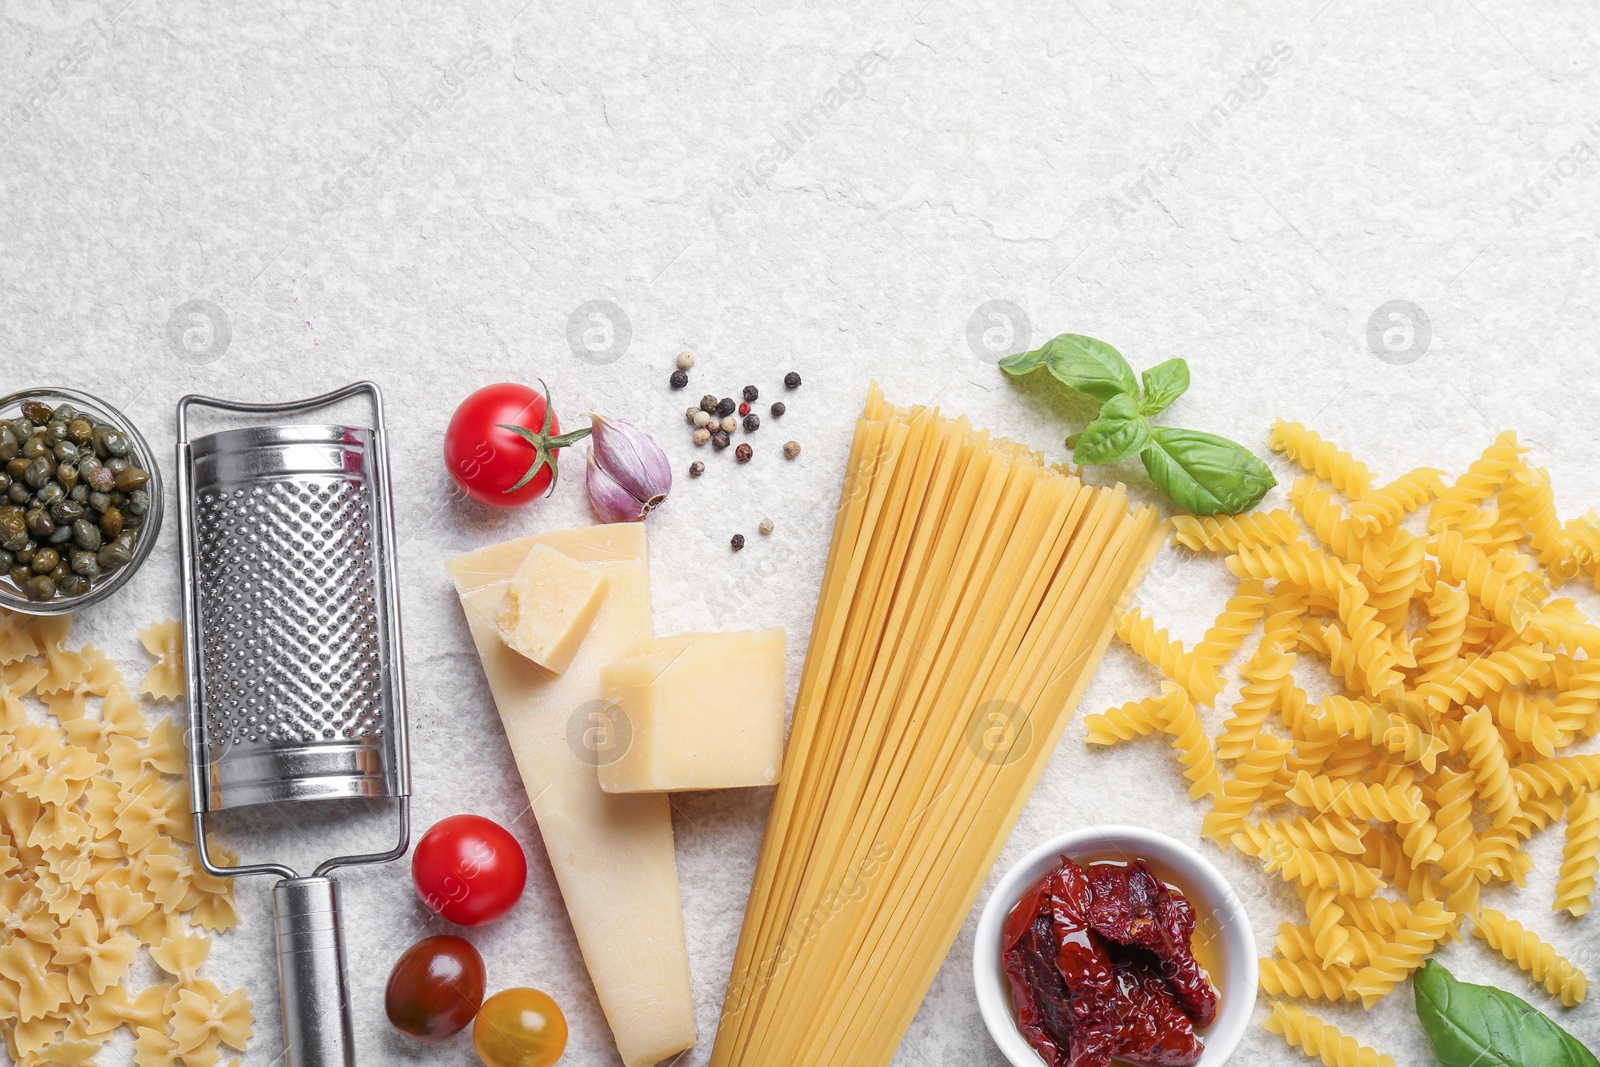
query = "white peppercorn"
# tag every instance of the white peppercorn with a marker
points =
(702, 435)
(685, 359)
(730, 423)
(702, 418)
(791, 449)
(766, 526)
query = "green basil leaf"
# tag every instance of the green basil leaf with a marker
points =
(1164, 383)
(1080, 362)
(1481, 1026)
(1119, 430)
(1204, 473)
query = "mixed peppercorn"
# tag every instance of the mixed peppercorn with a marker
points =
(75, 499)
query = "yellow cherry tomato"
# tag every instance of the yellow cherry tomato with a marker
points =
(519, 1028)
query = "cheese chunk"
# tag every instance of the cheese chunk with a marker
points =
(549, 606)
(612, 855)
(701, 711)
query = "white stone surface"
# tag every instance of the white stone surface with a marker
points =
(257, 159)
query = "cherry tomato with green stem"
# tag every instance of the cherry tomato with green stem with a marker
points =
(503, 444)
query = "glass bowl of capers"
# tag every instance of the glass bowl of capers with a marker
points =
(80, 500)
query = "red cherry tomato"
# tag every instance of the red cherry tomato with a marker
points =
(486, 460)
(435, 989)
(469, 870)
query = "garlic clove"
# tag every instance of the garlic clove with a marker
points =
(609, 499)
(632, 459)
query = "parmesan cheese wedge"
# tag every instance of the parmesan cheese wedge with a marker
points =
(612, 853)
(549, 606)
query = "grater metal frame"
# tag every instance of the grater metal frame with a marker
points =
(397, 784)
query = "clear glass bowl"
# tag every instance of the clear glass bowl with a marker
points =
(143, 457)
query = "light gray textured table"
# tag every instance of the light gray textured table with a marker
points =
(266, 201)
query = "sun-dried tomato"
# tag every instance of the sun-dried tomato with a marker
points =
(1100, 965)
(1134, 907)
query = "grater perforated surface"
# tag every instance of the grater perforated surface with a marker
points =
(292, 626)
(289, 616)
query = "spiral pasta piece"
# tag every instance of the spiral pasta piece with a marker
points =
(1168, 656)
(1319, 1040)
(1192, 743)
(1471, 679)
(1326, 912)
(1385, 507)
(1482, 480)
(1397, 734)
(1263, 677)
(1357, 800)
(1136, 718)
(1297, 944)
(1512, 600)
(1243, 791)
(1338, 532)
(1527, 497)
(1322, 870)
(1530, 952)
(1498, 854)
(1580, 859)
(1235, 623)
(1320, 457)
(1325, 833)
(1491, 771)
(1368, 674)
(1578, 703)
(1527, 723)
(1440, 644)
(1430, 923)
(1561, 776)
(1229, 533)
(1393, 585)
(1307, 979)
(1299, 564)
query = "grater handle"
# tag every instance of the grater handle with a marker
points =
(317, 1027)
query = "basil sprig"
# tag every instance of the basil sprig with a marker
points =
(1199, 472)
(1481, 1026)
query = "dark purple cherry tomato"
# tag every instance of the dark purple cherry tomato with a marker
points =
(435, 989)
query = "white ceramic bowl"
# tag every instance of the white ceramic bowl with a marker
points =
(1214, 901)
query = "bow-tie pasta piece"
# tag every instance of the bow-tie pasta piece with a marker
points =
(164, 641)
(202, 1024)
(16, 640)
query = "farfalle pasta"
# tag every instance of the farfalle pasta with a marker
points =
(94, 867)
(1392, 803)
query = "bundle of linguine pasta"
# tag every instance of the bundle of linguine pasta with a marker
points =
(968, 598)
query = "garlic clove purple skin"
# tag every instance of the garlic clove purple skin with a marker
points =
(610, 501)
(625, 461)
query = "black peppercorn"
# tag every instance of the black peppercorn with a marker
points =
(752, 422)
(719, 440)
(751, 393)
(791, 380)
(725, 406)
(696, 469)
(778, 409)
(679, 379)
(743, 453)
(737, 542)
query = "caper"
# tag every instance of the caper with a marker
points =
(17, 466)
(86, 535)
(60, 571)
(67, 475)
(40, 524)
(65, 412)
(45, 560)
(19, 493)
(62, 535)
(88, 463)
(72, 585)
(66, 452)
(50, 494)
(138, 502)
(114, 555)
(132, 522)
(86, 564)
(130, 479)
(117, 464)
(102, 480)
(37, 411)
(25, 553)
(55, 433)
(108, 441)
(8, 559)
(41, 587)
(39, 472)
(20, 574)
(9, 445)
(13, 528)
(111, 522)
(34, 447)
(79, 494)
(66, 511)
(100, 501)
(80, 430)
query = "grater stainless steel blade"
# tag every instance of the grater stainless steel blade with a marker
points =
(293, 660)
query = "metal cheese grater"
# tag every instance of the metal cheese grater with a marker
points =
(291, 630)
